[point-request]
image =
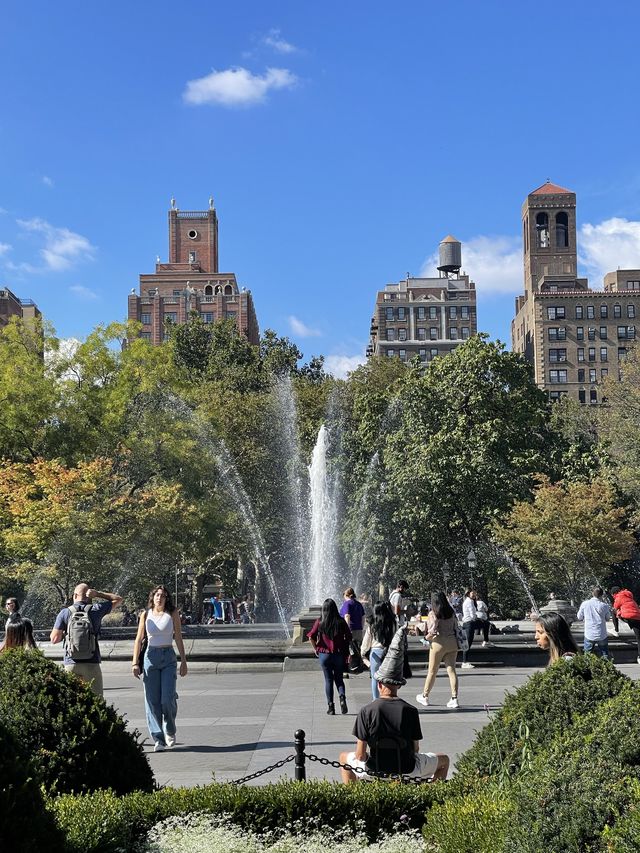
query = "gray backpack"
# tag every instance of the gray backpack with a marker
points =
(80, 638)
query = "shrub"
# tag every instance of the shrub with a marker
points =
(474, 823)
(78, 742)
(623, 836)
(106, 823)
(549, 703)
(26, 826)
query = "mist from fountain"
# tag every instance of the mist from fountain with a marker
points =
(323, 581)
(517, 571)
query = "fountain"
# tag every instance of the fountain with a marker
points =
(323, 581)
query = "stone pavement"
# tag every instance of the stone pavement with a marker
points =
(236, 723)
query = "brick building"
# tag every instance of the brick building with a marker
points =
(13, 306)
(425, 317)
(190, 281)
(574, 336)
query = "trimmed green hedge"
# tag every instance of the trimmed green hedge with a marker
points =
(77, 742)
(107, 823)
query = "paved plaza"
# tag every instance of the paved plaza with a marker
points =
(236, 723)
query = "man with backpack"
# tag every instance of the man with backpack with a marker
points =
(79, 627)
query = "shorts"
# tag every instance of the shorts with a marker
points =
(89, 672)
(426, 765)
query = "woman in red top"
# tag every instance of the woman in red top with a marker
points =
(625, 607)
(330, 637)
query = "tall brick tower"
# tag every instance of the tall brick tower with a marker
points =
(191, 282)
(549, 236)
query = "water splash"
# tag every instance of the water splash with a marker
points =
(517, 571)
(323, 580)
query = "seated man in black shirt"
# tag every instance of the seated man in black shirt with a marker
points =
(388, 729)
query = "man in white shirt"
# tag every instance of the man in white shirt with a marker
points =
(594, 612)
(396, 600)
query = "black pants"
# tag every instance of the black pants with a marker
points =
(470, 629)
(634, 624)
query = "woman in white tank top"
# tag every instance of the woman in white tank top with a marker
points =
(161, 625)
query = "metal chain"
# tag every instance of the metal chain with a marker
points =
(398, 777)
(269, 769)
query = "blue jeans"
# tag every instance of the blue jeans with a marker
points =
(598, 647)
(332, 669)
(160, 697)
(376, 656)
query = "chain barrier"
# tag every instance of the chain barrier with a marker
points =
(266, 770)
(397, 777)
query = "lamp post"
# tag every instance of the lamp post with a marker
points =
(445, 577)
(472, 563)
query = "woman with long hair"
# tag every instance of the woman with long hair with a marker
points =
(160, 623)
(441, 634)
(381, 627)
(330, 637)
(554, 635)
(19, 634)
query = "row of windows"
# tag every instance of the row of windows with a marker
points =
(434, 334)
(559, 333)
(172, 317)
(424, 312)
(402, 354)
(559, 312)
(560, 377)
(559, 355)
(556, 396)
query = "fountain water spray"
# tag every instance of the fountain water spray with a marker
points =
(323, 581)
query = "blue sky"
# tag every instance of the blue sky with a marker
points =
(341, 142)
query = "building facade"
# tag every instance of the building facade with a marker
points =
(425, 317)
(12, 306)
(574, 336)
(191, 281)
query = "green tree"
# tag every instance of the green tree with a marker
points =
(279, 356)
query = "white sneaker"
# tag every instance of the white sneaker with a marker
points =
(486, 644)
(638, 660)
(613, 632)
(467, 666)
(171, 741)
(159, 747)
(453, 703)
(422, 700)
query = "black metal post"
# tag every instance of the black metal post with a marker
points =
(299, 743)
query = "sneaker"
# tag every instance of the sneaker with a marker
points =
(422, 700)
(638, 660)
(467, 666)
(613, 632)
(171, 741)
(159, 747)
(486, 644)
(453, 702)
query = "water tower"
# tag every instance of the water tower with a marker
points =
(450, 255)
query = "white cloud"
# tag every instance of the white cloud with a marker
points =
(83, 292)
(611, 244)
(302, 330)
(274, 40)
(47, 181)
(494, 263)
(4, 248)
(237, 86)
(341, 365)
(62, 247)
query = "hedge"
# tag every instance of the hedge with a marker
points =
(77, 742)
(105, 822)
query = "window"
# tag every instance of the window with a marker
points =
(433, 333)
(603, 333)
(433, 353)
(452, 312)
(556, 333)
(465, 333)
(603, 354)
(556, 396)
(231, 315)
(562, 230)
(556, 312)
(592, 333)
(228, 290)
(556, 355)
(391, 334)
(592, 353)
(591, 312)
(633, 285)
(622, 331)
(192, 257)
(433, 313)
(622, 353)
(403, 354)
(172, 316)
(579, 312)
(631, 311)
(423, 354)
(617, 311)
(580, 333)
(208, 290)
(146, 336)
(580, 353)
(422, 334)
(542, 230)
(604, 373)
(402, 313)
(389, 314)
(422, 313)
(631, 333)
(165, 336)
(581, 374)
(592, 374)
(391, 353)
(177, 292)
(145, 319)
(582, 395)
(593, 397)
(453, 334)
(604, 312)
(558, 377)
(208, 317)
(464, 312)
(402, 334)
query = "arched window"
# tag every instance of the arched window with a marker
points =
(228, 291)
(208, 290)
(562, 230)
(218, 288)
(542, 230)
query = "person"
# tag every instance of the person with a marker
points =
(396, 600)
(84, 661)
(243, 610)
(625, 607)
(377, 639)
(441, 634)
(387, 730)
(554, 635)
(330, 637)
(161, 624)
(482, 613)
(470, 623)
(12, 608)
(353, 614)
(594, 612)
(365, 600)
(19, 634)
(455, 600)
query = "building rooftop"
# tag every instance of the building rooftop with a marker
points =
(550, 189)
